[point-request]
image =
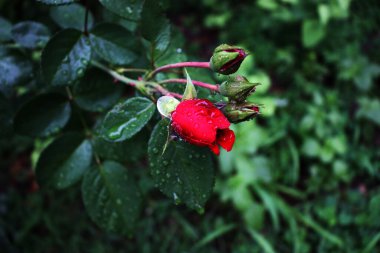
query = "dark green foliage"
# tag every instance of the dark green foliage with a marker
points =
(43, 115)
(63, 169)
(182, 172)
(71, 16)
(15, 69)
(129, 9)
(30, 34)
(127, 118)
(84, 157)
(113, 43)
(96, 91)
(65, 58)
(111, 197)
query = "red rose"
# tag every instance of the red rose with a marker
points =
(199, 122)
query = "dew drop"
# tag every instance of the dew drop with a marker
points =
(80, 72)
(84, 61)
(177, 200)
(129, 10)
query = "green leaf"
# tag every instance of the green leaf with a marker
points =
(130, 150)
(127, 118)
(5, 31)
(65, 57)
(43, 115)
(56, 2)
(64, 161)
(96, 91)
(30, 34)
(155, 28)
(312, 32)
(169, 54)
(111, 197)
(153, 20)
(369, 109)
(14, 69)
(129, 9)
(308, 221)
(183, 172)
(372, 244)
(113, 43)
(71, 16)
(212, 235)
(262, 241)
(270, 204)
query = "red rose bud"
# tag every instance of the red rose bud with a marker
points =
(227, 59)
(200, 123)
(237, 113)
(237, 89)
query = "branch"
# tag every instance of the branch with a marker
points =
(135, 83)
(205, 65)
(198, 83)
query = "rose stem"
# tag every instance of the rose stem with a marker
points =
(198, 83)
(205, 65)
(132, 82)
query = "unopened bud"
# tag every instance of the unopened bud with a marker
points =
(237, 113)
(227, 59)
(237, 89)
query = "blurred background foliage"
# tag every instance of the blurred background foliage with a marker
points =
(302, 177)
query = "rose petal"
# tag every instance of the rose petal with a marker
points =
(193, 123)
(199, 122)
(215, 149)
(225, 138)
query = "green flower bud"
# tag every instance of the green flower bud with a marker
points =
(237, 89)
(227, 59)
(237, 113)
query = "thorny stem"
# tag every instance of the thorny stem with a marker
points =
(205, 65)
(116, 75)
(122, 70)
(198, 83)
(135, 83)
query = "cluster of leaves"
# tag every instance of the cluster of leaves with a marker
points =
(94, 129)
(302, 178)
(311, 168)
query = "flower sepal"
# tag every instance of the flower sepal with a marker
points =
(237, 89)
(237, 113)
